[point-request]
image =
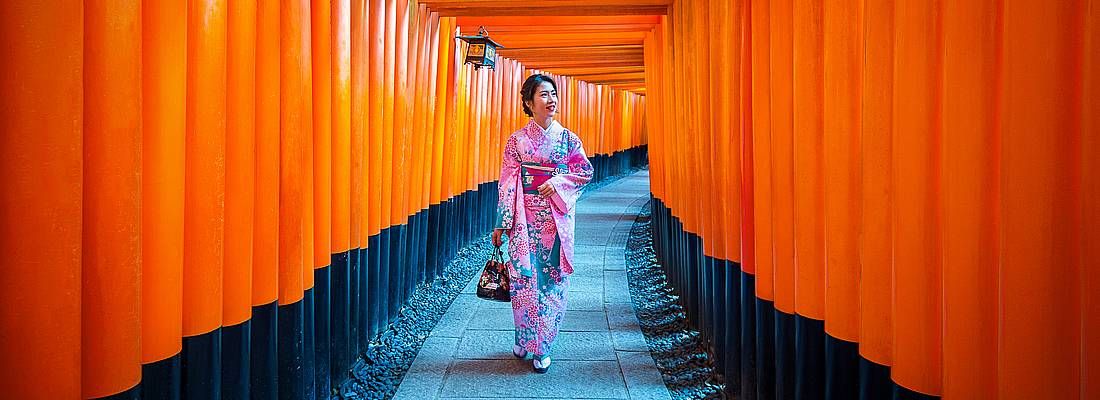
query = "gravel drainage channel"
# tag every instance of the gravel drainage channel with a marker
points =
(681, 354)
(378, 373)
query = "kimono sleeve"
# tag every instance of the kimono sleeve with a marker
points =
(567, 187)
(509, 183)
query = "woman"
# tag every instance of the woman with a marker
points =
(539, 218)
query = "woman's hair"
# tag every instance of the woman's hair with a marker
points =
(527, 93)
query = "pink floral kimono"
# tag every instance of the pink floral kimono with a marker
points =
(540, 229)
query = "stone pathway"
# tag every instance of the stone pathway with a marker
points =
(600, 352)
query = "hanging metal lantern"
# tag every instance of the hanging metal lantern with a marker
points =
(482, 51)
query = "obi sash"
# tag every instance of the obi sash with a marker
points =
(534, 175)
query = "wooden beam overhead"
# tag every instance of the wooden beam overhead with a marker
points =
(627, 76)
(596, 41)
(574, 71)
(585, 63)
(572, 52)
(484, 8)
(541, 20)
(548, 41)
(571, 39)
(495, 30)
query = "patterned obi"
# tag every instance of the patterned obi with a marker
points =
(534, 175)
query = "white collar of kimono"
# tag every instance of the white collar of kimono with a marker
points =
(553, 129)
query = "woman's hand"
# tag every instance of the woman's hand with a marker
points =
(546, 189)
(497, 240)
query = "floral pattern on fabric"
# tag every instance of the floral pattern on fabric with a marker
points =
(533, 222)
(538, 307)
(540, 230)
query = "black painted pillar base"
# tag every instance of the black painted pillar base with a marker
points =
(236, 360)
(202, 365)
(748, 334)
(264, 380)
(874, 380)
(810, 360)
(309, 345)
(161, 380)
(841, 369)
(372, 298)
(356, 314)
(322, 334)
(339, 321)
(765, 349)
(784, 356)
(291, 346)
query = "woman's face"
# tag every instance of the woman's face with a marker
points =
(545, 103)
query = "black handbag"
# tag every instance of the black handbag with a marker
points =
(495, 283)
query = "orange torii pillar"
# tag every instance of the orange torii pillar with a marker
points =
(294, 122)
(111, 272)
(342, 211)
(263, 376)
(240, 193)
(164, 78)
(41, 209)
(204, 191)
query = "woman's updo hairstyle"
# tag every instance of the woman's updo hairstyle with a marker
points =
(527, 93)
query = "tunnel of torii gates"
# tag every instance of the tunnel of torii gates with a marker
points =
(854, 198)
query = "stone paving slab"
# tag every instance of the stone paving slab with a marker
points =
(626, 331)
(565, 380)
(600, 352)
(497, 345)
(426, 374)
(580, 284)
(643, 380)
(499, 319)
(454, 322)
(617, 288)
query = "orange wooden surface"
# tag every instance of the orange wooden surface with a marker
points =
(204, 197)
(164, 80)
(1039, 319)
(292, 60)
(762, 150)
(918, 250)
(971, 183)
(388, 111)
(843, 62)
(707, 93)
(442, 66)
(781, 34)
(376, 85)
(240, 162)
(111, 248)
(41, 92)
(417, 135)
(742, 241)
(305, 74)
(321, 52)
(40, 211)
(359, 122)
(342, 206)
(1090, 221)
(809, 202)
(876, 139)
(265, 267)
(400, 169)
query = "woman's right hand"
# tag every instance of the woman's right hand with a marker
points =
(497, 237)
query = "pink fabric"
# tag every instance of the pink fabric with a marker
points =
(554, 145)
